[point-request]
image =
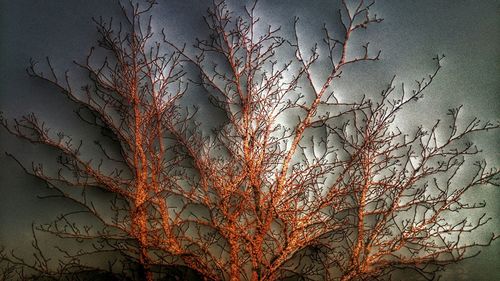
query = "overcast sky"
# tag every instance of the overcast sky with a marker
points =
(412, 33)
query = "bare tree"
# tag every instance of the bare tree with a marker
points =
(296, 181)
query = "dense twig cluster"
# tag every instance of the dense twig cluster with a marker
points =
(296, 180)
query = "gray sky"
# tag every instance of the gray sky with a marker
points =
(412, 33)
